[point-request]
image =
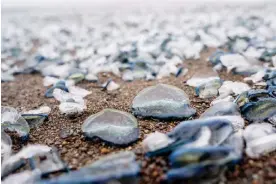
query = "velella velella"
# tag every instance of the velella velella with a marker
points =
(11, 120)
(114, 126)
(18, 160)
(260, 110)
(200, 163)
(128, 47)
(200, 78)
(208, 89)
(25, 177)
(162, 102)
(71, 104)
(49, 163)
(155, 141)
(59, 85)
(221, 109)
(6, 146)
(184, 156)
(260, 139)
(196, 133)
(110, 85)
(37, 116)
(120, 167)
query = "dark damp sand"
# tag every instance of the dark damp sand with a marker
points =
(27, 92)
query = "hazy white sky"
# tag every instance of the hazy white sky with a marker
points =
(28, 3)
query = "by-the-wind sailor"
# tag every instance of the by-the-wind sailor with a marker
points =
(64, 96)
(187, 133)
(231, 61)
(59, 85)
(221, 128)
(260, 110)
(162, 102)
(208, 89)
(114, 159)
(11, 120)
(260, 139)
(120, 167)
(229, 87)
(235, 141)
(25, 177)
(200, 163)
(74, 90)
(258, 130)
(113, 126)
(76, 76)
(6, 146)
(110, 85)
(17, 160)
(215, 57)
(71, 108)
(184, 156)
(201, 78)
(50, 163)
(155, 141)
(221, 109)
(222, 99)
(37, 116)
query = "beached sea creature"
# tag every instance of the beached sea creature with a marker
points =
(155, 141)
(200, 164)
(6, 146)
(71, 108)
(221, 109)
(222, 99)
(110, 85)
(162, 102)
(236, 88)
(76, 76)
(11, 120)
(113, 126)
(202, 78)
(215, 57)
(201, 132)
(253, 96)
(64, 96)
(17, 160)
(208, 89)
(49, 163)
(260, 110)
(25, 177)
(59, 85)
(37, 116)
(75, 90)
(260, 139)
(232, 61)
(118, 167)
(236, 142)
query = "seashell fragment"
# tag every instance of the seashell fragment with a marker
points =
(113, 126)
(162, 102)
